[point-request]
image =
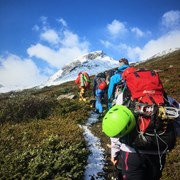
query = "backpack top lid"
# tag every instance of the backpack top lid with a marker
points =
(86, 76)
(101, 75)
(144, 84)
(118, 121)
(128, 71)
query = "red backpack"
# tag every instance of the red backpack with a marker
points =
(153, 116)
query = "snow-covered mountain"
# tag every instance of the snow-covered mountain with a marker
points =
(92, 63)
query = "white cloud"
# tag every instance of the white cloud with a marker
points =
(70, 39)
(165, 42)
(63, 22)
(138, 33)
(116, 28)
(43, 20)
(15, 71)
(129, 47)
(56, 58)
(35, 28)
(106, 44)
(171, 20)
(50, 36)
(68, 47)
(44, 53)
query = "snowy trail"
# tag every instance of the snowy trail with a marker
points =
(96, 161)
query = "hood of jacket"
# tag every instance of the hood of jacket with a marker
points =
(123, 67)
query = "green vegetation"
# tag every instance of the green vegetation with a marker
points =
(40, 136)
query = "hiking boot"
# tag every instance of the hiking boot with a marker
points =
(101, 115)
(95, 111)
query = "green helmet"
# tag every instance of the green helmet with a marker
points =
(118, 121)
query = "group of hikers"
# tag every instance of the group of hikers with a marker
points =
(141, 120)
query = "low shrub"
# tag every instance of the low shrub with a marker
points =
(18, 109)
(55, 158)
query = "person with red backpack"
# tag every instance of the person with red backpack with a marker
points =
(83, 80)
(99, 89)
(142, 129)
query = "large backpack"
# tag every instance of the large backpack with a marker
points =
(154, 116)
(86, 79)
(101, 81)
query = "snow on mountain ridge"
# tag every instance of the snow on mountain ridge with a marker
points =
(163, 53)
(93, 63)
(99, 62)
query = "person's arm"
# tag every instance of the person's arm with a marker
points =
(113, 81)
(115, 149)
(94, 86)
(111, 87)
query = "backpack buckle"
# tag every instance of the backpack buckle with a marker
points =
(144, 109)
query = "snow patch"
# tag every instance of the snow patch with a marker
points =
(96, 161)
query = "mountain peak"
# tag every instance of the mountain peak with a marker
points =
(92, 63)
(92, 55)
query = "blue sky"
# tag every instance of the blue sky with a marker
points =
(38, 37)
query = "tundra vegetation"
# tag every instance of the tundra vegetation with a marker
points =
(40, 136)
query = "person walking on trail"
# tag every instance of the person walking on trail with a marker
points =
(135, 164)
(99, 88)
(115, 79)
(83, 80)
(142, 155)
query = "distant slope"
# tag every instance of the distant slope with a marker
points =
(93, 63)
(168, 67)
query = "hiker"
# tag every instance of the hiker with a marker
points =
(140, 165)
(109, 74)
(113, 93)
(115, 79)
(99, 88)
(142, 155)
(83, 80)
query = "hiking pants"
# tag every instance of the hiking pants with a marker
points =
(82, 91)
(141, 167)
(99, 95)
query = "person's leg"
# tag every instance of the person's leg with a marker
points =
(81, 94)
(98, 100)
(98, 104)
(132, 166)
(155, 166)
(118, 167)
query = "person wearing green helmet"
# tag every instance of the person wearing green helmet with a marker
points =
(132, 164)
(117, 122)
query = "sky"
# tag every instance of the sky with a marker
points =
(38, 37)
